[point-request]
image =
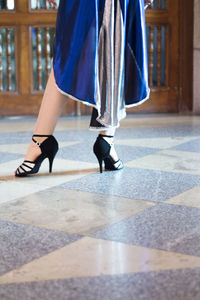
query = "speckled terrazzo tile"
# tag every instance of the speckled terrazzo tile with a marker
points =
(15, 137)
(126, 153)
(135, 183)
(90, 257)
(22, 148)
(165, 131)
(164, 226)
(71, 211)
(84, 152)
(167, 285)
(189, 198)
(76, 135)
(11, 190)
(63, 171)
(21, 244)
(81, 152)
(175, 161)
(5, 156)
(159, 143)
(192, 146)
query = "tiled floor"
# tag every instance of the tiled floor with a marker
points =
(78, 234)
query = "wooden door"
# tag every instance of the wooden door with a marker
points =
(27, 29)
(162, 24)
(26, 34)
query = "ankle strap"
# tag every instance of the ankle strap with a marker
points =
(39, 135)
(42, 135)
(104, 135)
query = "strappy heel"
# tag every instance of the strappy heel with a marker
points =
(102, 149)
(49, 148)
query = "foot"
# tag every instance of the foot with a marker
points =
(110, 141)
(33, 152)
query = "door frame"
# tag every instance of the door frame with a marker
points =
(186, 55)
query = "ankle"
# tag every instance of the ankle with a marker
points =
(108, 138)
(108, 132)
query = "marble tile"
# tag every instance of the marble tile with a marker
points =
(138, 248)
(71, 211)
(81, 135)
(160, 285)
(63, 171)
(89, 257)
(79, 152)
(135, 183)
(5, 156)
(188, 198)
(159, 143)
(84, 153)
(158, 132)
(171, 161)
(21, 244)
(16, 137)
(27, 123)
(22, 148)
(11, 190)
(159, 120)
(164, 226)
(192, 146)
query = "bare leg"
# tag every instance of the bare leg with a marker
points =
(52, 104)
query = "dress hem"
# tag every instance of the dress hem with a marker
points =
(96, 106)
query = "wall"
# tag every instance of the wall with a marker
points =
(196, 91)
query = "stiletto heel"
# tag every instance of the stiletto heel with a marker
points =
(102, 149)
(51, 159)
(49, 148)
(50, 165)
(100, 164)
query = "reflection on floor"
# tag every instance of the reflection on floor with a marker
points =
(78, 234)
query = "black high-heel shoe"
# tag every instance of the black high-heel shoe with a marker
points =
(49, 148)
(102, 149)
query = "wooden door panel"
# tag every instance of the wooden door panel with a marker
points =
(33, 36)
(162, 23)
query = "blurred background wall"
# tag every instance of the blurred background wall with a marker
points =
(196, 86)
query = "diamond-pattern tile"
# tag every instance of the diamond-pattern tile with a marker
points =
(78, 234)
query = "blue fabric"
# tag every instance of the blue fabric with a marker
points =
(76, 47)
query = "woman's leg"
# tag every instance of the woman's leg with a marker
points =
(52, 104)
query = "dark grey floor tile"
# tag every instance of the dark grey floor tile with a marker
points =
(5, 157)
(166, 285)
(15, 137)
(164, 226)
(20, 244)
(165, 131)
(84, 152)
(136, 183)
(192, 146)
(18, 119)
(77, 136)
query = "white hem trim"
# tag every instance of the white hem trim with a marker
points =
(95, 105)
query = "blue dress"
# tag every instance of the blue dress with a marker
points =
(100, 55)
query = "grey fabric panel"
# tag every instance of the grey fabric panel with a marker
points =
(111, 104)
